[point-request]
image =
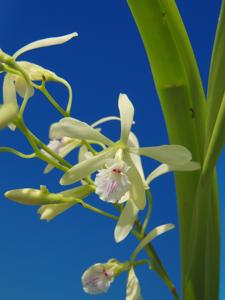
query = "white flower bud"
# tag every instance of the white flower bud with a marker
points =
(97, 279)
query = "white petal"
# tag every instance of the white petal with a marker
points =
(79, 130)
(137, 190)
(126, 221)
(62, 153)
(86, 167)
(133, 142)
(104, 120)
(37, 72)
(164, 168)
(8, 112)
(126, 115)
(22, 87)
(133, 287)
(45, 43)
(9, 90)
(169, 154)
(151, 236)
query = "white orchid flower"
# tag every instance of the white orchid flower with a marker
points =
(76, 129)
(15, 83)
(130, 155)
(63, 145)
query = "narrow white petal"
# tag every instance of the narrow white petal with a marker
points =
(45, 43)
(104, 120)
(8, 112)
(9, 89)
(168, 154)
(133, 291)
(86, 167)
(137, 190)
(79, 130)
(151, 236)
(133, 142)
(126, 221)
(164, 168)
(126, 115)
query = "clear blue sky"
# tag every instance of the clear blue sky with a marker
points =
(44, 261)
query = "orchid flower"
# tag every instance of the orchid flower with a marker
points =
(73, 128)
(14, 81)
(128, 152)
(63, 145)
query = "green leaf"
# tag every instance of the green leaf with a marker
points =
(181, 95)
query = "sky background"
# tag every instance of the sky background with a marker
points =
(44, 261)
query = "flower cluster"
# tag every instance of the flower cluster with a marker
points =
(114, 173)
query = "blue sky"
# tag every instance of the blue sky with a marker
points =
(45, 260)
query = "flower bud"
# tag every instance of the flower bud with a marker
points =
(97, 279)
(50, 211)
(31, 196)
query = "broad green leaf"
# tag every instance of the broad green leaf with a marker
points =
(181, 95)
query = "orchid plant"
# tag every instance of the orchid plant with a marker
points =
(113, 170)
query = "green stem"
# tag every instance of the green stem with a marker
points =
(18, 153)
(21, 126)
(145, 224)
(45, 92)
(70, 100)
(157, 265)
(89, 147)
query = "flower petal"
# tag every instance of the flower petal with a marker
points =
(50, 211)
(63, 152)
(126, 115)
(45, 43)
(9, 89)
(79, 130)
(168, 154)
(137, 190)
(36, 72)
(151, 236)
(104, 120)
(8, 112)
(126, 221)
(164, 168)
(86, 167)
(133, 142)
(133, 291)
(22, 87)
